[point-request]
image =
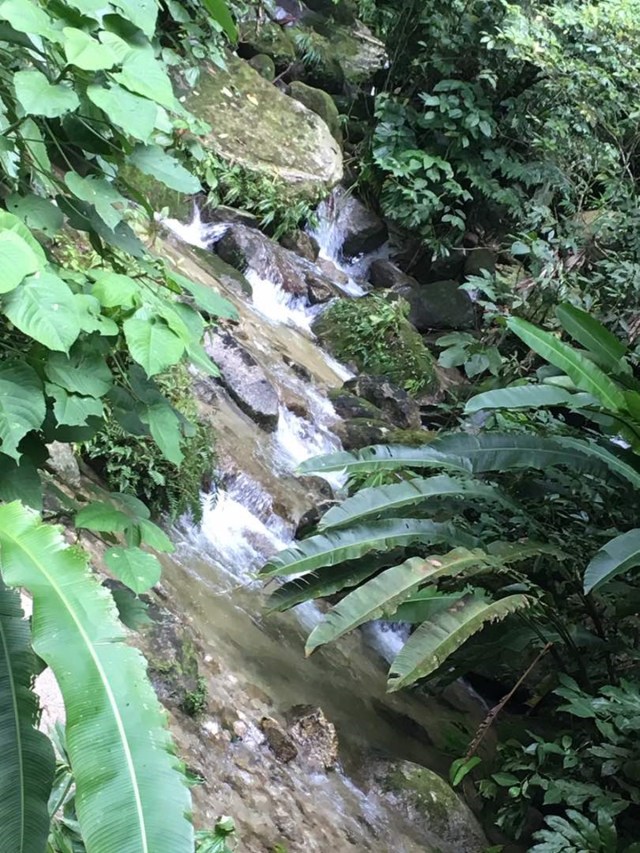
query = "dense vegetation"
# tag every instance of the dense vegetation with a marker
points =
(509, 542)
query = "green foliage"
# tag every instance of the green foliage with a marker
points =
(218, 839)
(374, 333)
(265, 197)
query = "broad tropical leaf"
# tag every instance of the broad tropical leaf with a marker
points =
(383, 457)
(596, 338)
(380, 597)
(22, 404)
(582, 371)
(153, 160)
(134, 567)
(37, 96)
(328, 580)
(152, 343)
(527, 397)
(17, 260)
(43, 308)
(432, 643)
(335, 547)
(117, 742)
(135, 115)
(387, 499)
(605, 459)
(219, 11)
(27, 762)
(424, 605)
(206, 298)
(617, 556)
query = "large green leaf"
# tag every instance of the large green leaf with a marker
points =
(164, 426)
(114, 290)
(134, 567)
(100, 193)
(36, 212)
(424, 605)
(73, 409)
(135, 115)
(27, 17)
(206, 298)
(617, 556)
(43, 308)
(219, 11)
(596, 338)
(581, 370)
(85, 52)
(39, 97)
(26, 760)
(327, 581)
(337, 546)
(130, 796)
(383, 457)
(144, 75)
(432, 643)
(84, 371)
(10, 222)
(22, 404)
(378, 598)
(152, 343)
(153, 160)
(388, 499)
(102, 517)
(527, 397)
(142, 13)
(20, 482)
(17, 260)
(605, 460)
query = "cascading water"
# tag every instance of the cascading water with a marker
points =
(255, 659)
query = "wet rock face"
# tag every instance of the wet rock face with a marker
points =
(316, 737)
(385, 274)
(439, 305)
(393, 401)
(244, 379)
(363, 230)
(302, 244)
(247, 249)
(429, 800)
(280, 742)
(256, 126)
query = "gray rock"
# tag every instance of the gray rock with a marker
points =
(392, 400)
(363, 230)
(348, 405)
(478, 260)
(356, 433)
(244, 379)
(385, 274)
(439, 305)
(221, 213)
(433, 804)
(63, 463)
(319, 102)
(254, 125)
(280, 742)
(315, 736)
(302, 244)
(264, 65)
(247, 249)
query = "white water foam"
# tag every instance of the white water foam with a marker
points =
(386, 638)
(196, 232)
(276, 305)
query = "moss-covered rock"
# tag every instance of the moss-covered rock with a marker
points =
(376, 336)
(319, 102)
(431, 800)
(264, 65)
(342, 58)
(253, 124)
(268, 39)
(179, 205)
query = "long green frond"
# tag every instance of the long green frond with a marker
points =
(26, 756)
(617, 556)
(131, 797)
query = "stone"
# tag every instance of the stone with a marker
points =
(222, 272)
(348, 405)
(302, 244)
(392, 400)
(331, 271)
(319, 289)
(343, 11)
(64, 464)
(267, 39)
(440, 305)
(280, 742)
(433, 803)
(321, 103)
(248, 249)
(255, 126)
(363, 230)
(356, 433)
(244, 379)
(385, 274)
(223, 214)
(478, 260)
(315, 736)
(346, 57)
(309, 519)
(264, 65)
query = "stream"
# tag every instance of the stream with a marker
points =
(253, 661)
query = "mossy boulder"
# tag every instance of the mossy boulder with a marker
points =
(264, 65)
(268, 39)
(343, 11)
(160, 197)
(431, 801)
(320, 103)
(342, 59)
(256, 126)
(376, 336)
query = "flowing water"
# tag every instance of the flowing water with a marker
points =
(253, 661)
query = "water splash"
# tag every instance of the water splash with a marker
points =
(386, 638)
(196, 232)
(278, 306)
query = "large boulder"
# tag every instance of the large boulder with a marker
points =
(439, 305)
(319, 102)
(267, 39)
(394, 402)
(247, 249)
(254, 125)
(362, 229)
(432, 804)
(345, 57)
(384, 274)
(244, 379)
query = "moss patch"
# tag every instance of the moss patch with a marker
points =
(320, 103)
(376, 335)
